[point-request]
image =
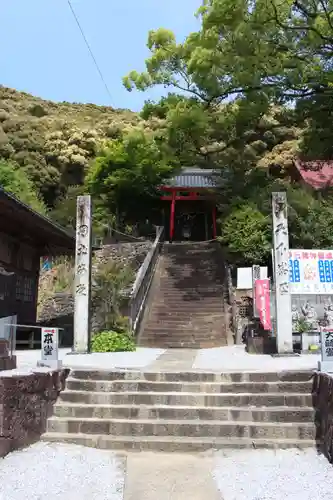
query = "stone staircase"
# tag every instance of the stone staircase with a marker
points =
(184, 411)
(185, 306)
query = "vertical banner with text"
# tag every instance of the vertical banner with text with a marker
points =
(50, 344)
(262, 294)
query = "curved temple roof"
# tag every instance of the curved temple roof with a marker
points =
(18, 219)
(194, 178)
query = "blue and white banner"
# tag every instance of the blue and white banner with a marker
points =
(311, 272)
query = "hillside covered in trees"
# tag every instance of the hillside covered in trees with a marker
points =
(248, 93)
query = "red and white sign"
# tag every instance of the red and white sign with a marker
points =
(263, 303)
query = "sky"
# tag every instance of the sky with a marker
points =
(43, 52)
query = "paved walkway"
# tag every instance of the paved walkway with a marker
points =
(174, 360)
(152, 476)
(221, 359)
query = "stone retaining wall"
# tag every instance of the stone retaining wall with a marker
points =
(26, 402)
(323, 404)
(7, 363)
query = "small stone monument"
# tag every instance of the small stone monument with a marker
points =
(326, 363)
(50, 348)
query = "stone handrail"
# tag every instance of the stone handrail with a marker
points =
(143, 281)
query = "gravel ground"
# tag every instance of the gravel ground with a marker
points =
(270, 475)
(235, 358)
(61, 472)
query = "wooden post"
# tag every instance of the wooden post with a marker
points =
(172, 215)
(255, 277)
(214, 223)
(82, 280)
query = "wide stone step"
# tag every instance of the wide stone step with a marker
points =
(236, 414)
(171, 344)
(186, 399)
(195, 428)
(207, 321)
(194, 387)
(174, 444)
(196, 287)
(188, 300)
(183, 325)
(181, 333)
(180, 337)
(193, 376)
(165, 313)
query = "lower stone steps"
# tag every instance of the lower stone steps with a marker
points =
(184, 411)
(192, 376)
(195, 428)
(191, 387)
(235, 413)
(174, 444)
(188, 398)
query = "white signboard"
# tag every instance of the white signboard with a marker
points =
(311, 272)
(50, 343)
(244, 277)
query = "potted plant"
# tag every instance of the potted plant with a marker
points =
(303, 327)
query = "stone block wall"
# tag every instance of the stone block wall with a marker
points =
(323, 404)
(57, 309)
(26, 402)
(7, 360)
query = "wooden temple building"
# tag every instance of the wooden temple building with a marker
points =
(189, 205)
(25, 236)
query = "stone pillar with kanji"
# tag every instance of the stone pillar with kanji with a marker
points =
(82, 281)
(284, 341)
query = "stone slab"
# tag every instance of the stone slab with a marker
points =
(325, 366)
(170, 477)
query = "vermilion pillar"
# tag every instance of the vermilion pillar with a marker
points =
(214, 222)
(172, 215)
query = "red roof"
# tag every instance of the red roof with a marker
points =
(318, 174)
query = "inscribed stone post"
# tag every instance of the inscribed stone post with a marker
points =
(82, 282)
(281, 269)
(326, 363)
(255, 277)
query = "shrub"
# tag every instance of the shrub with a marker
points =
(109, 341)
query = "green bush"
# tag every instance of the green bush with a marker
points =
(109, 341)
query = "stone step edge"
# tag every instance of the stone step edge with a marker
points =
(183, 393)
(193, 371)
(182, 382)
(162, 421)
(204, 443)
(262, 409)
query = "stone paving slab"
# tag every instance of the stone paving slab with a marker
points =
(174, 359)
(170, 477)
(221, 359)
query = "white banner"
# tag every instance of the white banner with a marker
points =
(311, 272)
(50, 343)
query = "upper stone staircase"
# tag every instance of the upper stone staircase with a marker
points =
(184, 411)
(186, 306)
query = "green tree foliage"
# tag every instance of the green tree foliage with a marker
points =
(110, 341)
(127, 173)
(54, 143)
(15, 181)
(245, 233)
(255, 85)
